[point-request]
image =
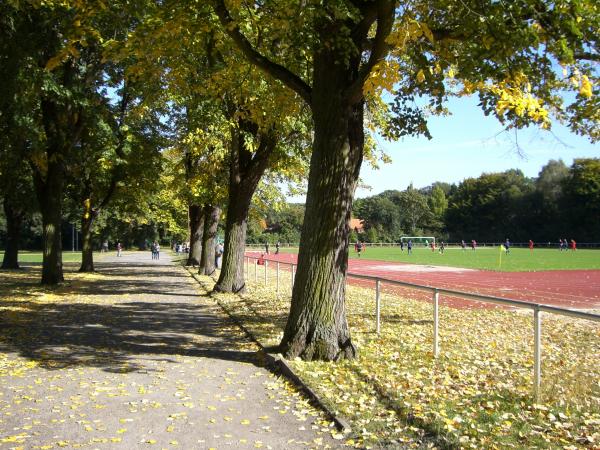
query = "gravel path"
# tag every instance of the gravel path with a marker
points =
(135, 356)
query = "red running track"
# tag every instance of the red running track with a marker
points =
(575, 289)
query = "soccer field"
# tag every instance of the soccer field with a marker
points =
(489, 258)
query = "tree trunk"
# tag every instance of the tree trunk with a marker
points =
(317, 326)
(231, 278)
(211, 223)
(246, 170)
(196, 228)
(87, 249)
(14, 219)
(50, 198)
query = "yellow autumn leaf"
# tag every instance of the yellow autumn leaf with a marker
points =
(586, 87)
(420, 76)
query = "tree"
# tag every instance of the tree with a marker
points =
(491, 207)
(354, 50)
(582, 199)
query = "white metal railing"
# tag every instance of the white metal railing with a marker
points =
(537, 308)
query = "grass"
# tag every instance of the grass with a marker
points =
(36, 257)
(488, 258)
(477, 394)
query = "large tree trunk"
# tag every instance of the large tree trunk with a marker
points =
(196, 228)
(50, 198)
(14, 220)
(317, 326)
(231, 278)
(246, 170)
(211, 223)
(87, 249)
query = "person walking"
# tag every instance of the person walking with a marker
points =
(277, 244)
(218, 255)
(119, 248)
(530, 246)
(507, 246)
(442, 247)
(409, 247)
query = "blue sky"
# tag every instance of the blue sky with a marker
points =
(466, 144)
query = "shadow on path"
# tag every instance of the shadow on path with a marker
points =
(152, 322)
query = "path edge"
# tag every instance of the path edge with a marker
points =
(279, 363)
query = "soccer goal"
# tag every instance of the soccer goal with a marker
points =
(424, 241)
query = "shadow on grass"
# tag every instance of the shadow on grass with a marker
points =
(116, 337)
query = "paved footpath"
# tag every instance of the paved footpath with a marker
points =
(134, 356)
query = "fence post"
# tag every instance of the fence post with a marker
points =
(256, 270)
(266, 265)
(277, 270)
(436, 298)
(247, 267)
(378, 305)
(537, 352)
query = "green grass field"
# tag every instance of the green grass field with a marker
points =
(519, 259)
(36, 257)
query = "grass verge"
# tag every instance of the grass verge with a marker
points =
(477, 394)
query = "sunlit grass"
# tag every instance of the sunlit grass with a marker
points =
(477, 394)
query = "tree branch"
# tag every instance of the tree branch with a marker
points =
(273, 69)
(380, 48)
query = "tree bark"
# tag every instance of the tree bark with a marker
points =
(231, 278)
(87, 249)
(317, 326)
(14, 220)
(211, 223)
(49, 195)
(246, 170)
(196, 229)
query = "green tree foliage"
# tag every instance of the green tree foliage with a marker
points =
(490, 208)
(581, 201)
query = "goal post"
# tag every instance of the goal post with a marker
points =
(424, 241)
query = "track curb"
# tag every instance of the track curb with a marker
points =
(279, 363)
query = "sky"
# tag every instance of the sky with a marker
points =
(467, 144)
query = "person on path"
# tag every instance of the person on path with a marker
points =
(157, 250)
(153, 250)
(119, 248)
(105, 247)
(218, 255)
(507, 246)
(530, 246)
(409, 247)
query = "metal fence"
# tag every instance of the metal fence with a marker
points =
(537, 308)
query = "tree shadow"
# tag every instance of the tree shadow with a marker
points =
(116, 336)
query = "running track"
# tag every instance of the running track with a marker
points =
(574, 289)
